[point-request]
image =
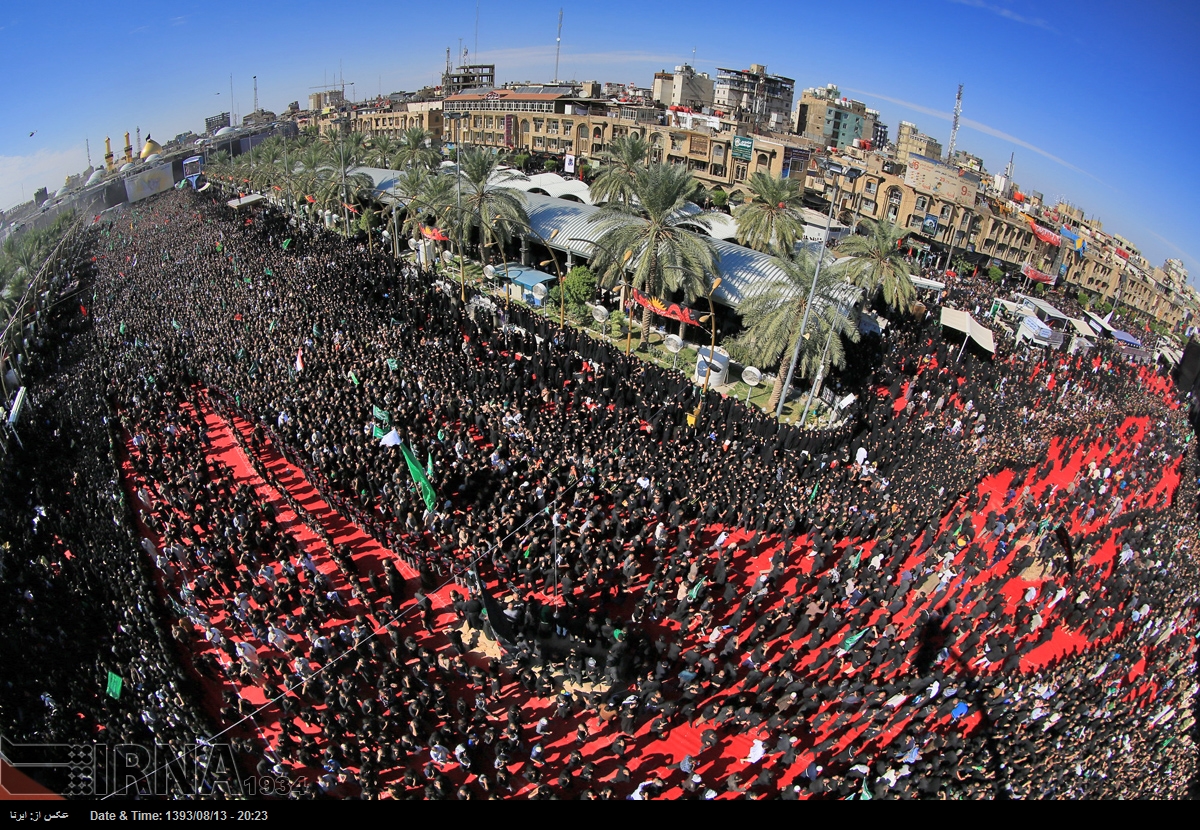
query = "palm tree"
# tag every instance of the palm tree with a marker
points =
(772, 316)
(381, 151)
(773, 219)
(622, 160)
(665, 255)
(344, 185)
(424, 194)
(487, 203)
(878, 264)
(416, 147)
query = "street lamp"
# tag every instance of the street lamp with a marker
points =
(624, 285)
(852, 174)
(562, 288)
(457, 118)
(712, 322)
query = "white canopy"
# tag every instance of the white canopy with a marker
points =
(964, 322)
(246, 201)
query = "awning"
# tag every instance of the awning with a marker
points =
(246, 201)
(1082, 329)
(931, 285)
(964, 322)
(1127, 338)
(525, 276)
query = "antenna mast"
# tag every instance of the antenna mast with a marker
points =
(954, 129)
(557, 45)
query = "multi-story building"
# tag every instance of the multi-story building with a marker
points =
(761, 99)
(391, 118)
(320, 101)
(879, 136)
(912, 142)
(474, 76)
(824, 115)
(685, 87)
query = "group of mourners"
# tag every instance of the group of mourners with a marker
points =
(468, 553)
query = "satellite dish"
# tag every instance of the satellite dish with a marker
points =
(599, 313)
(489, 271)
(447, 257)
(751, 376)
(673, 343)
(412, 244)
(539, 291)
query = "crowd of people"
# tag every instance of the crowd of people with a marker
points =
(981, 585)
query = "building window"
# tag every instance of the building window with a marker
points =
(739, 171)
(539, 143)
(477, 122)
(539, 125)
(870, 187)
(524, 125)
(922, 203)
(567, 127)
(552, 126)
(489, 122)
(868, 206)
(893, 210)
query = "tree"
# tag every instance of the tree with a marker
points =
(381, 152)
(995, 274)
(580, 285)
(773, 314)
(621, 163)
(416, 148)
(773, 220)
(521, 161)
(878, 264)
(550, 165)
(488, 204)
(720, 198)
(664, 255)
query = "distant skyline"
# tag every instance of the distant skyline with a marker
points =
(1093, 98)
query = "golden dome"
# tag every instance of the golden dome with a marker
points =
(151, 147)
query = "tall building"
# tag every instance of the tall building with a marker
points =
(879, 136)
(912, 142)
(475, 76)
(685, 87)
(824, 115)
(764, 100)
(216, 122)
(320, 101)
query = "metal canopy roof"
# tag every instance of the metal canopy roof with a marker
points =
(740, 268)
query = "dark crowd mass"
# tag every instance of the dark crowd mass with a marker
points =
(981, 585)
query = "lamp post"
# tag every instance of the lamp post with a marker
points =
(712, 323)
(820, 369)
(837, 170)
(457, 118)
(562, 288)
(624, 284)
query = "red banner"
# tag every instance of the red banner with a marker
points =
(1036, 275)
(673, 310)
(434, 233)
(1042, 233)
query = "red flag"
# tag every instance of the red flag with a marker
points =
(350, 208)
(310, 199)
(434, 233)
(82, 310)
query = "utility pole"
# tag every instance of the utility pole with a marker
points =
(954, 129)
(557, 45)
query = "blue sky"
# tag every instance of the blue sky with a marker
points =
(1098, 100)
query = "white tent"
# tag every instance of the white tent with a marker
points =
(964, 322)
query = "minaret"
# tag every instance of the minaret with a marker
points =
(108, 153)
(128, 149)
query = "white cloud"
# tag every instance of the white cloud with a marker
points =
(45, 168)
(1007, 14)
(978, 127)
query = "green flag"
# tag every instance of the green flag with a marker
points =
(286, 242)
(377, 432)
(429, 465)
(272, 326)
(418, 476)
(352, 378)
(122, 328)
(175, 324)
(380, 415)
(114, 686)
(268, 272)
(813, 495)
(392, 364)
